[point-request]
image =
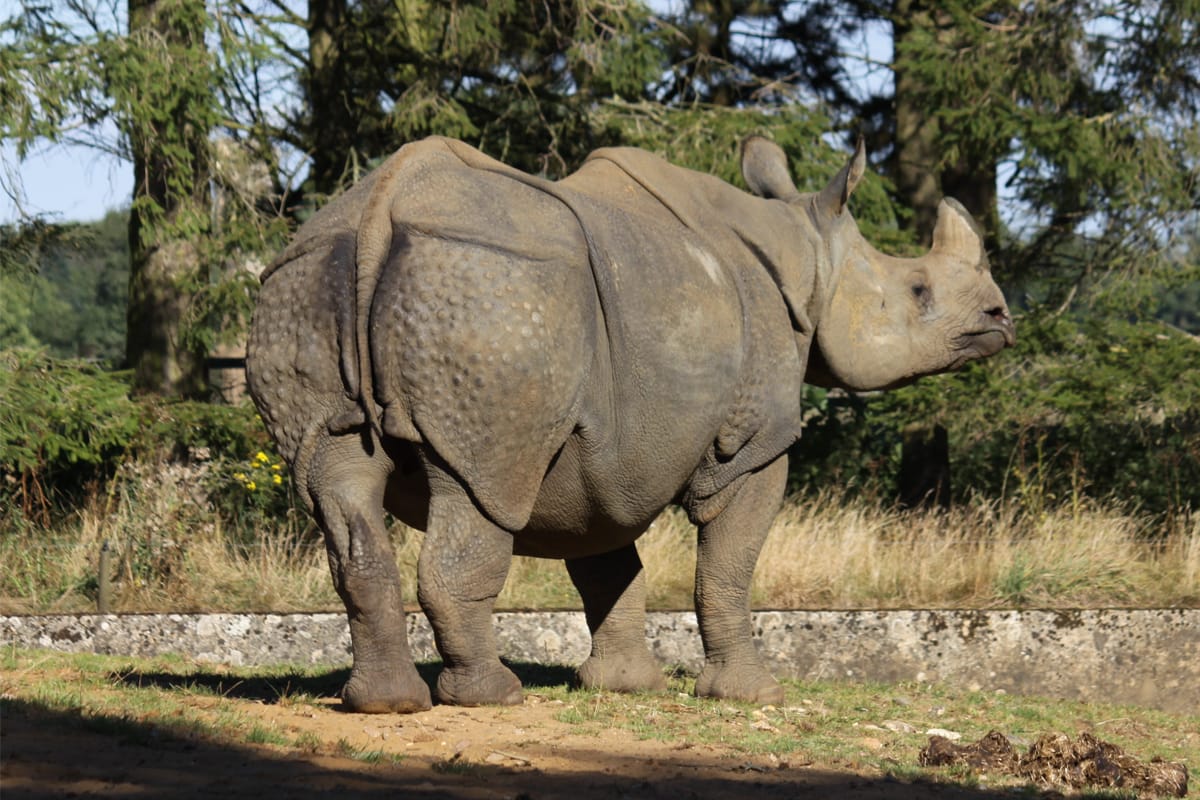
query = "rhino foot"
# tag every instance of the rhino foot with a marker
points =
(491, 685)
(623, 672)
(746, 683)
(386, 693)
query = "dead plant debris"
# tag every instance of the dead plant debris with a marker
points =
(1055, 760)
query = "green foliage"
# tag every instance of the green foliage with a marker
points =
(1092, 115)
(252, 493)
(182, 426)
(843, 446)
(707, 139)
(16, 312)
(73, 300)
(63, 286)
(61, 425)
(76, 71)
(1084, 407)
(68, 425)
(517, 79)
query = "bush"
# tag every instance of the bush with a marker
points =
(1102, 408)
(63, 424)
(67, 425)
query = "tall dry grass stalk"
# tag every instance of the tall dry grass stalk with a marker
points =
(174, 554)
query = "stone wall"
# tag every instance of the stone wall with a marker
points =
(1146, 657)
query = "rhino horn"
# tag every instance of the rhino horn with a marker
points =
(956, 234)
(831, 201)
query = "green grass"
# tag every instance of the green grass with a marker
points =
(140, 699)
(260, 735)
(307, 742)
(840, 724)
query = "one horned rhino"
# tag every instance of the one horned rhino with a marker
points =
(523, 366)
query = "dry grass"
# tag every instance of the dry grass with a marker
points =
(828, 553)
(169, 552)
(172, 554)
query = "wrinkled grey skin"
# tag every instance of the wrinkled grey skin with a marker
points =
(519, 366)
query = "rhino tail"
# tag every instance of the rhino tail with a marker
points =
(373, 244)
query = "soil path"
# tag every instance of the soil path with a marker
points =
(540, 750)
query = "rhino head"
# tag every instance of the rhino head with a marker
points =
(883, 321)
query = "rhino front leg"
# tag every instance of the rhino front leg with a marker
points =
(464, 562)
(613, 589)
(728, 550)
(346, 486)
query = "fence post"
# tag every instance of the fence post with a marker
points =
(104, 593)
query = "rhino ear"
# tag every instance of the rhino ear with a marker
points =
(833, 198)
(765, 169)
(956, 233)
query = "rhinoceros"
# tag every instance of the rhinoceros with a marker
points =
(523, 366)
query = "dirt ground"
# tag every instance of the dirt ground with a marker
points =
(528, 751)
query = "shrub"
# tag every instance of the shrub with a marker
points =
(67, 425)
(63, 424)
(1101, 408)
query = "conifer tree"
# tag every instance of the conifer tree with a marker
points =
(1085, 111)
(167, 104)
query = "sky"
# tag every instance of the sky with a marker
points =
(70, 184)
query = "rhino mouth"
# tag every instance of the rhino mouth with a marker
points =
(984, 343)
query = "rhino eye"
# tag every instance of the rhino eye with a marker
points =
(922, 296)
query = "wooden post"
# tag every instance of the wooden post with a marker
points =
(104, 582)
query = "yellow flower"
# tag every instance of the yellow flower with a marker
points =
(261, 457)
(278, 479)
(277, 467)
(251, 485)
(239, 476)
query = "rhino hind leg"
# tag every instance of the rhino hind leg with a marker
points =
(346, 485)
(462, 568)
(728, 549)
(613, 589)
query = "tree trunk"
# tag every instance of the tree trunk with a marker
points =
(924, 480)
(168, 218)
(921, 176)
(331, 121)
(915, 157)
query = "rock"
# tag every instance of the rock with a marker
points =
(945, 734)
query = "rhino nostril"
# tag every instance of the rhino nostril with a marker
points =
(999, 313)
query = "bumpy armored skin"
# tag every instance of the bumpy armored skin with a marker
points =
(521, 366)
